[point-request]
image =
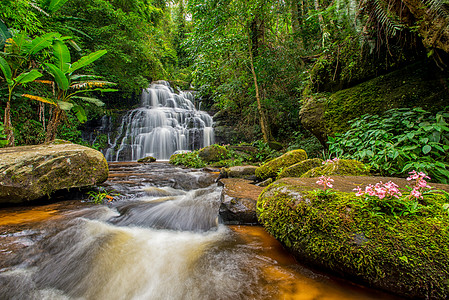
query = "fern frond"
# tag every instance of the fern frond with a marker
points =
(379, 14)
(439, 7)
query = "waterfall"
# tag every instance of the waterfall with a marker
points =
(164, 123)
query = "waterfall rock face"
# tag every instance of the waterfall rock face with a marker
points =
(164, 123)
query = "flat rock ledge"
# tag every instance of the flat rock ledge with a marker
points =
(238, 201)
(28, 173)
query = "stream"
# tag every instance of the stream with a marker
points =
(160, 239)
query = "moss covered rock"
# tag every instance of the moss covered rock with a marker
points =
(416, 85)
(297, 170)
(345, 167)
(406, 255)
(148, 159)
(213, 153)
(31, 172)
(273, 167)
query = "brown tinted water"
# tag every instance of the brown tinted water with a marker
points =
(159, 240)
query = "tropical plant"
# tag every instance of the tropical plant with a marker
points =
(71, 87)
(397, 142)
(19, 51)
(99, 196)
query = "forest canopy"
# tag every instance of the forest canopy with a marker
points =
(253, 62)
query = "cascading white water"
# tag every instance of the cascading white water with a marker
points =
(165, 122)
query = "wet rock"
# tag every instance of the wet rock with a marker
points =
(273, 167)
(31, 172)
(245, 172)
(148, 159)
(238, 201)
(340, 234)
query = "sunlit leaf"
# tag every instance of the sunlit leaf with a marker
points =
(40, 99)
(28, 77)
(86, 60)
(62, 54)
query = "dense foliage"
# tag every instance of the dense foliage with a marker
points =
(397, 142)
(255, 62)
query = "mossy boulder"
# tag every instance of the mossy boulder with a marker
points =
(345, 167)
(31, 172)
(420, 85)
(297, 170)
(213, 153)
(406, 255)
(273, 167)
(148, 159)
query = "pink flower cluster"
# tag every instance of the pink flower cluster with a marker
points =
(330, 161)
(380, 189)
(420, 183)
(326, 182)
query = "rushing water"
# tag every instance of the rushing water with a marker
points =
(164, 123)
(160, 240)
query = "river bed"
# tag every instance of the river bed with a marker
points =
(160, 239)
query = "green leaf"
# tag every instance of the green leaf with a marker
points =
(27, 77)
(61, 80)
(426, 149)
(4, 34)
(64, 105)
(80, 113)
(6, 71)
(86, 60)
(56, 4)
(41, 42)
(95, 101)
(62, 54)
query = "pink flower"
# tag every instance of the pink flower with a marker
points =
(416, 193)
(325, 181)
(331, 161)
(359, 191)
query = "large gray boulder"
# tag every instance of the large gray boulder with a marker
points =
(31, 172)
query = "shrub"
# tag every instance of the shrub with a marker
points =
(397, 142)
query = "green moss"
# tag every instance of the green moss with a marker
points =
(147, 159)
(405, 255)
(345, 167)
(297, 170)
(416, 85)
(273, 167)
(213, 153)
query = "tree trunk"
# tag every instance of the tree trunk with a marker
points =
(52, 126)
(9, 131)
(263, 124)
